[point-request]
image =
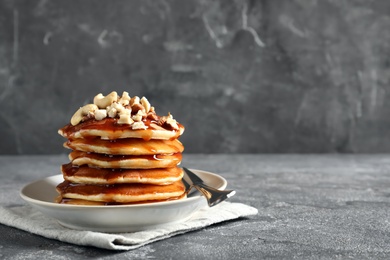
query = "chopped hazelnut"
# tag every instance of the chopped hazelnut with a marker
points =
(137, 107)
(152, 116)
(172, 122)
(169, 121)
(138, 117)
(134, 100)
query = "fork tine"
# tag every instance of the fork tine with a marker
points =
(214, 196)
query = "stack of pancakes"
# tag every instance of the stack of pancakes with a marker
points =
(122, 153)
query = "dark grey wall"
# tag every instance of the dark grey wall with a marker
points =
(242, 76)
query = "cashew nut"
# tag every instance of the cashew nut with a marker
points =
(104, 101)
(82, 111)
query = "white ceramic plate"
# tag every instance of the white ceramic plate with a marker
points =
(119, 218)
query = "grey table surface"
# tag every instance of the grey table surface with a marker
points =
(310, 207)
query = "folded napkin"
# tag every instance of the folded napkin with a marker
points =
(31, 220)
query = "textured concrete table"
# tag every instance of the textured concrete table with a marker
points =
(310, 206)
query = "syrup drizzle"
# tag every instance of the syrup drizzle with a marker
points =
(111, 126)
(110, 176)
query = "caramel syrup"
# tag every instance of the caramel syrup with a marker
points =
(136, 144)
(102, 203)
(113, 158)
(127, 189)
(111, 125)
(111, 176)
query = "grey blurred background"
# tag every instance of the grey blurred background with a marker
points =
(266, 76)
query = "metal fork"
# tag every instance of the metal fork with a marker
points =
(212, 195)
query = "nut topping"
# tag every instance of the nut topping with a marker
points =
(133, 111)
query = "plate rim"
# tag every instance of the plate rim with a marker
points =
(142, 205)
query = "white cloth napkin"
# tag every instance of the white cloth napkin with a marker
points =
(28, 219)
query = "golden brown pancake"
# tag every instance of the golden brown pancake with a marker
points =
(125, 161)
(88, 175)
(102, 203)
(128, 146)
(109, 129)
(120, 193)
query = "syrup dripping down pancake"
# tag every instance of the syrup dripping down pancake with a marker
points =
(87, 175)
(125, 161)
(121, 193)
(128, 146)
(108, 128)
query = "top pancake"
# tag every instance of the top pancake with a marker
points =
(108, 128)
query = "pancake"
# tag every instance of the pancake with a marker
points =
(125, 161)
(87, 175)
(102, 203)
(121, 193)
(108, 128)
(128, 146)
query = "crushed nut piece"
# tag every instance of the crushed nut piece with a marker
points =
(134, 100)
(117, 106)
(137, 107)
(152, 116)
(173, 123)
(100, 114)
(169, 121)
(145, 103)
(138, 117)
(162, 120)
(138, 125)
(112, 112)
(125, 99)
(124, 117)
(156, 127)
